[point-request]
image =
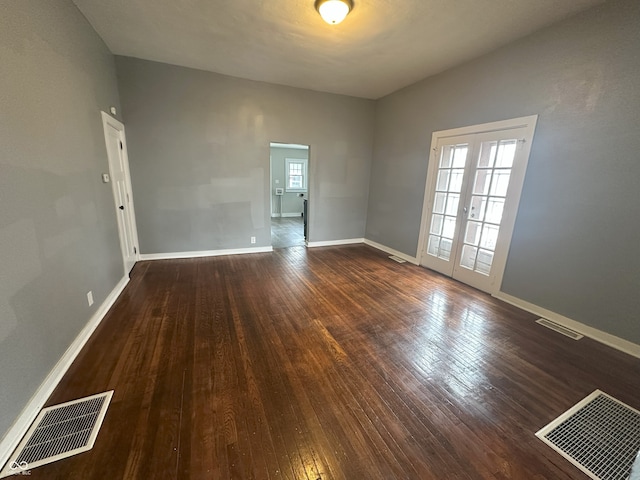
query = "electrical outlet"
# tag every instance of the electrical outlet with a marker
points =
(253, 239)
(90, 297)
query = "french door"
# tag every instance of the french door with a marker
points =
(471, 200)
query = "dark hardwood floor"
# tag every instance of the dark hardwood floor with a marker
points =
(328, 363)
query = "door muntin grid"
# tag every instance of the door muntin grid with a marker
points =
(446, 202)
(488, 196)
(492, 180)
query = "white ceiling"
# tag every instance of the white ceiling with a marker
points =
(382, 46)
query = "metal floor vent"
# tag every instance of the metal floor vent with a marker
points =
(397, 259)
(600, 435)
(567, 332)
(59, 431)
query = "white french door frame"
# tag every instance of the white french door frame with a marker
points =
(124, 209)
(526, 127)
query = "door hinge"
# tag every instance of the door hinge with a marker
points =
(121, 145)
(135, 250)
(521, 143)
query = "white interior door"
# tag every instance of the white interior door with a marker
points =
(471, 199)
(121, 186)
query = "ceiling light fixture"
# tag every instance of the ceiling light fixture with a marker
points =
(333, 11)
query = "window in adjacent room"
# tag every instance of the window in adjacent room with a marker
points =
(296, 175)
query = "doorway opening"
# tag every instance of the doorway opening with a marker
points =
(471, 199)
(289, 194)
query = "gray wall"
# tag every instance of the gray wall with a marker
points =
(199, 156)
(292, 203)
(58, 231)
(575, 245)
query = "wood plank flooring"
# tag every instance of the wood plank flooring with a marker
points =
(328, 363)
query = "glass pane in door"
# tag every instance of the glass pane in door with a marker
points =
(447, 200)
(491, 182)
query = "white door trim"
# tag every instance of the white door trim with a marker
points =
(108, 120)
(527, 124)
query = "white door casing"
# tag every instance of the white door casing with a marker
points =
(472, 192)
(121, 186)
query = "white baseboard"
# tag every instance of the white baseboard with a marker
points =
(391, 251)
(13, 436)
(204, 253)
(331, 243)
(598, 335)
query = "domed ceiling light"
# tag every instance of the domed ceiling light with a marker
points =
(333, 11)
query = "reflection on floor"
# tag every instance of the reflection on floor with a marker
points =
(287, 232)
(326, 363)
